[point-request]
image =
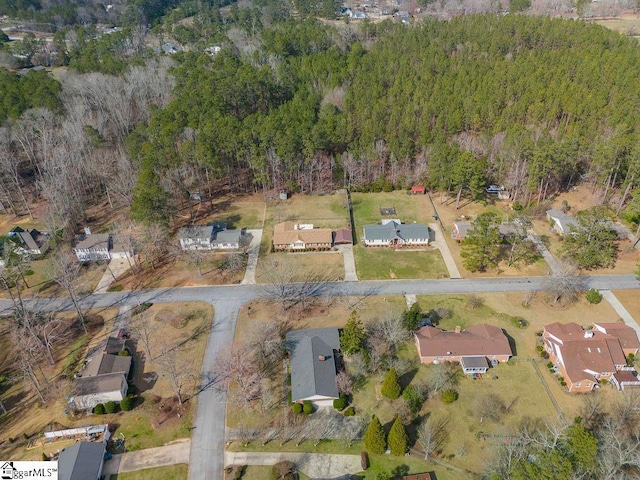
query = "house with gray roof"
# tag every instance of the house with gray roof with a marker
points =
(81, 461)
(315, 355)
(32, 242)
(215, 236)
(562, 222)
(393, 233)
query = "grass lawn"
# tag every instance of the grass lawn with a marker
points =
(301, 266)
(403, 466)
(631, 301)
(383, 263)
(323, 211)
(409, 208)
(174, 472)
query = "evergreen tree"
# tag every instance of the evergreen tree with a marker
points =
(398, 439)
(591, 243)
(411, 318)
(481, 248)
(353, 335)
(391, 386)
(374, 440)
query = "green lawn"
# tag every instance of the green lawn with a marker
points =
(409, 208)
(174, 472)
(383, 263)
(263, 472)
(399, 466)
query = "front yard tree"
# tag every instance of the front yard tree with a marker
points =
(411, 318)
(481, 248)
(398, 440)
(591, 244)
(353, 335)
(391, 386)
(65, 272)
(564, 286)
(374, 440)
(177, 368)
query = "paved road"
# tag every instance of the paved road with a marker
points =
(207, 437)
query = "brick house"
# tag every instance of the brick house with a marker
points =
(300, 236)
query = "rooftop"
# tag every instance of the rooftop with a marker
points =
(81, 461)
(478, 340)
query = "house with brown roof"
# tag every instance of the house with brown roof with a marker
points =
(584, 357)
(301, 236)
(342, 236)
(473, 348)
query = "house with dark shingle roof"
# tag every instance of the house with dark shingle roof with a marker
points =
(473, 347)
(585, 357)
(314, 355)
(562, 223)
(33, 242)
(81, 461)
(393, 233)
(215, 236)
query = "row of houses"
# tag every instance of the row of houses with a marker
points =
(583, 357)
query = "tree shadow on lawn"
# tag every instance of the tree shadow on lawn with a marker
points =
(406, 378)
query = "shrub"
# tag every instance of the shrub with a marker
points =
(45, 458)
(398, 440)
(25, 436)
(340, 403)
(549, 364)
(141, 308)
(124, 353)
(290, 398)
(283, 470)
(594, 296)
(127, 404)
(307, 407)
(296, 408)
(563, 383)
(373, 439)
(391, 386)
(414, 398)
(111, 407)
(98, 409)
(449, 396)
(539, 348)
(349, 412)
(604, 381)
(115, 288)
(474, 302)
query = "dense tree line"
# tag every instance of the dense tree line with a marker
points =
(19, 93)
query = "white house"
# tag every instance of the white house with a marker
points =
(215, 236)
(91, 247)
(90, 391)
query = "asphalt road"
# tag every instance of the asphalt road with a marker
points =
(208, 435)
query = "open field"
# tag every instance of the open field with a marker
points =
(175, 472)
(155, 421)
(387, 263)
(627, 24)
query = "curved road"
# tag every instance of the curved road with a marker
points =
(207, 440)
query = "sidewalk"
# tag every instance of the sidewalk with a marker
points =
(252, 261)
(172, 454)
(441, 244)
(316, 465)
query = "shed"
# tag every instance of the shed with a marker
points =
(418, 189)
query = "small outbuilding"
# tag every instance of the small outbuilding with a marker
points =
(418, 190)
(343, 236)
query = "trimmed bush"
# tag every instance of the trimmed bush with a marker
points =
(593, 296)
(99, 409)
(449, 396)
(340, 403)
(124, 353)
(127, 404)
(549, 364)
(349, 412)
(391, 386)
(296, 408)
(307, 407)
(115, 288)
(110, 407)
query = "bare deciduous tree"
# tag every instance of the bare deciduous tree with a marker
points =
(344, 383)
(564, 285)
(432, 435)
(176, 368)
(442, 375)
(65, 271)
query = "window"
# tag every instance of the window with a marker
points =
(577, 385)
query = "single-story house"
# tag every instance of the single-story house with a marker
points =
(459, 230)
(315, 357)
(393, 233)
(473, 347)
(293, 236)
(625, 378)
(90, 391)
(418, 190)
(584, 357)
(215, 236)
(33, 242)
(342, 236)
(105, 364)
(81, 461)
(562, 222)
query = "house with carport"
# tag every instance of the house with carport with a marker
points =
(474, 348)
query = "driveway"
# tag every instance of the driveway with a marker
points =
(115, 269)
(350, 274)
(620, 310)
(318, 466)
(172, 454)
(441, 244)
(544, 251)
(252, 261)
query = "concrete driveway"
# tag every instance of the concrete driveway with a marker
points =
(252, 261)
(441, 244)
(350, 274)
(115, 269)
(319, 466)
(172, 454)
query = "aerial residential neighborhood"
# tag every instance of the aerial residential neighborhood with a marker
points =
(293, 240)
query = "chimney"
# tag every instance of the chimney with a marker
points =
(87, 230)
(588, 334)
(457, 330)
